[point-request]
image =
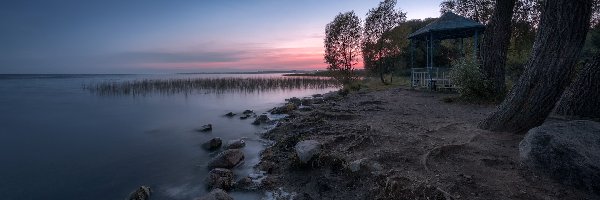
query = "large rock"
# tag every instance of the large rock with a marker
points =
(307, 149)
(236, 144)
(227, 159)
(142, 193)
(567, 151)
(216, 194)
(220, 178)
(213, 144)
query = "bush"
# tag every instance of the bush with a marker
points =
(470, 81)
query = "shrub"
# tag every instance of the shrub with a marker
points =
(470, 81)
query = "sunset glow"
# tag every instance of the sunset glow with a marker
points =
(166, 37)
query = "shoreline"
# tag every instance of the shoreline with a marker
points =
(398, 143)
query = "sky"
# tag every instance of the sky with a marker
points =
(173, 36)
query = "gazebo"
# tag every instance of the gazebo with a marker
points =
(448, 26)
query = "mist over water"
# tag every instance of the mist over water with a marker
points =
(59, 141)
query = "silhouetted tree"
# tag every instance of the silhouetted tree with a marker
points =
(379, 20)
(561, 35)
(342, 45)
(495, 45)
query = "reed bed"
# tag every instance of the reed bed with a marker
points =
(208, 85)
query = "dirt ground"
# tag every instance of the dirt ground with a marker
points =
(402, 144)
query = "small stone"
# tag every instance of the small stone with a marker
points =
(220, 178)
(248, 112)
(142, 193)
(230, 114)
(227, 159)
(236, 144)
(261, 120)
(307, 149)
(212, 144)
(206, 128)
(244, 183)
(216, 194)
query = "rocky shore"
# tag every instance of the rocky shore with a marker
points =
(397, 144)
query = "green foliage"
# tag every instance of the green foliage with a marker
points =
(467, 76)
(380, 40)
(342, 46)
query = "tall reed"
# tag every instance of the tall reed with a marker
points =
(212, 85)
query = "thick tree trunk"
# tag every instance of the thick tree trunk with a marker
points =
(495, 45)
(582, 98)
(557, 46)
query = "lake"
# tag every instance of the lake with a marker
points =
(59, 141)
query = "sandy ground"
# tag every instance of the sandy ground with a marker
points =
(402, 144)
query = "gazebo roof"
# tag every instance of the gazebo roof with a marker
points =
(449, 26)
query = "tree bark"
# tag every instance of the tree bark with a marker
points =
(557, 46)
(582, 98)
(495, 45)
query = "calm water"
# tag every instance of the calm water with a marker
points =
(58, 141)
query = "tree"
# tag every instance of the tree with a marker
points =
(379, 20)
(478, 10)
(342, 45)
(561, 35)
(495, 45)
(582, 98)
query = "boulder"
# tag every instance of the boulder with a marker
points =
(262, 119)
(307, 149)
(236, 144)
(216, 194)
(220, 178)
(206, 128)
(227, 159)
(142, 193)
(212, 144)
(566, 151)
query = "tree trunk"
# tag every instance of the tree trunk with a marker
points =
(582, 98)
(495, 45)
(557, 46)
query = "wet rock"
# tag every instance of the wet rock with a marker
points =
(306, 101)
(236, 144)
(266, 166)
(142, 193)
(305, 108)
(227, 159)
(216, 194)
(284, 109)
(294, 100)
(262, 119)
(220, 178)
(245, 116)
(230, 114)
(267, 183)
(248, 112)
(212, 144)
(307, 149)
(317, 95)
(567, 151)
(356, 165)
(206, 128)
(244, 183)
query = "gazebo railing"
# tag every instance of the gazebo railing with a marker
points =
(432, 78)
